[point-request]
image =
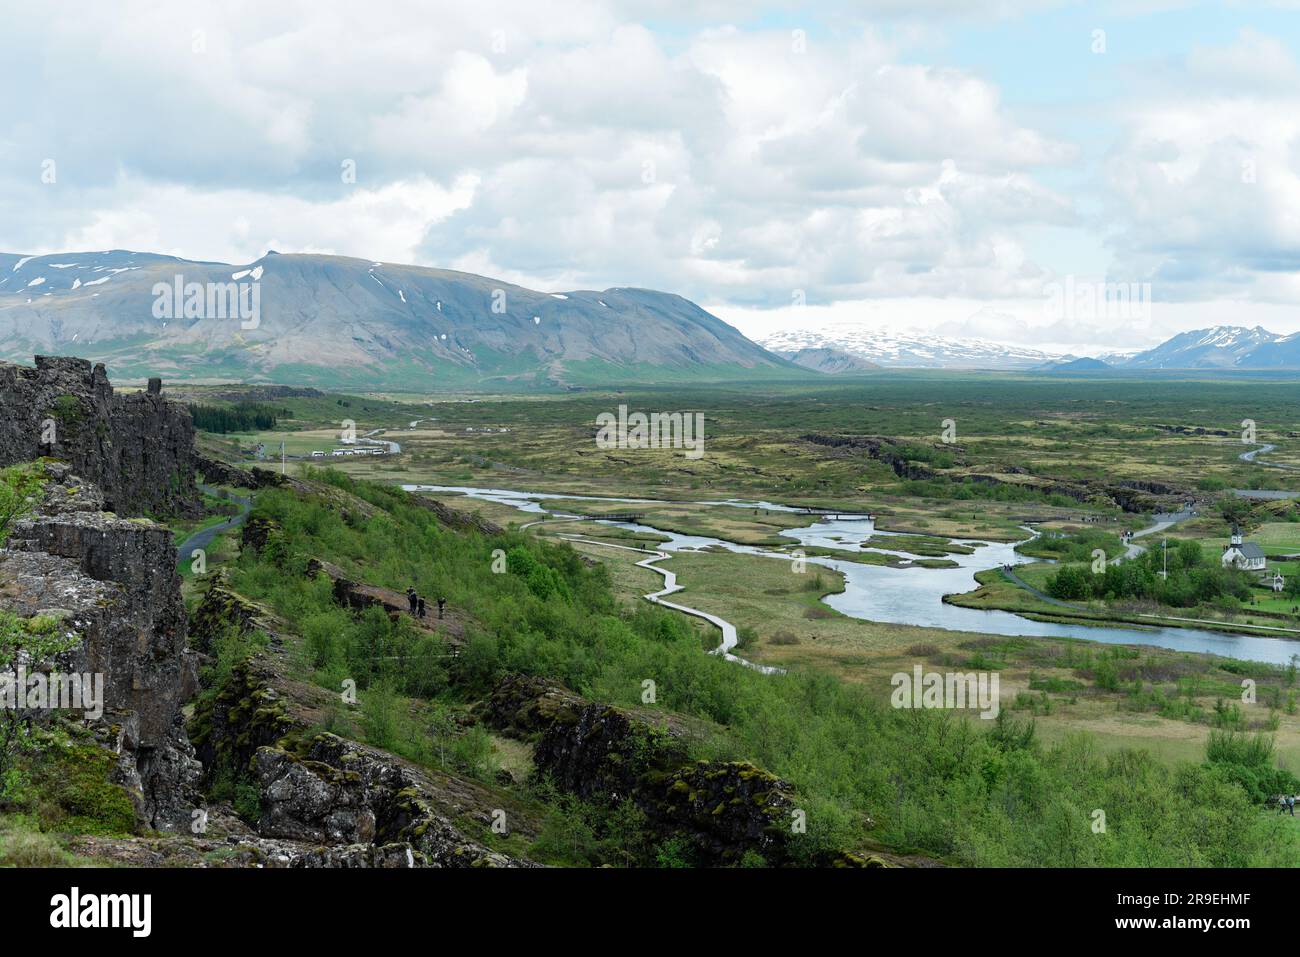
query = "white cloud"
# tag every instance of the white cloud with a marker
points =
(674, 145)
(1205, 189)
(238, 226)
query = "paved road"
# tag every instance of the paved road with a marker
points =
(394, 448)
(1160, 523)
(1132, 550)
(1264, 450)
(204, 536)
(1264, 494)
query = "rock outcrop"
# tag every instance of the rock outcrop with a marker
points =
(358, 596)
(879, 448)
(596, 751)
(222, 840)
(137, 448)
(603, 753)
(112, 585)
(340, 792)
(356, 803)
(222, 610)
(222, 473)
(455, 518)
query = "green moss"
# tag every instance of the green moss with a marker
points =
(69, 789)
(67, 409)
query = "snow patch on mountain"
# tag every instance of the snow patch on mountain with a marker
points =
(894, 350)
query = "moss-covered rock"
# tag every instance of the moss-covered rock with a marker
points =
(606, 754)
(726, 809)
(68, 787)
(223, 610)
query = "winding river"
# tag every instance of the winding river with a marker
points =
(911, 595)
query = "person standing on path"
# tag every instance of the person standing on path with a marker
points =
(411, 598)
(420, 607)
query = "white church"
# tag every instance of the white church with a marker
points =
(1247, 556)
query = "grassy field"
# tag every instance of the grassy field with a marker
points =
(995, 591)
(748, 526)
(1028, 450)
(1025, 432)
(1054, 680)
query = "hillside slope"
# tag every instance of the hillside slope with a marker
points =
(331, 319)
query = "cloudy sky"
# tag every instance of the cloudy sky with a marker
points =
(907, 165)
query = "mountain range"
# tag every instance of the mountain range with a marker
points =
(343, 322)
(332, 320)
(1217, 348)
(892, 350)
(1222, 347)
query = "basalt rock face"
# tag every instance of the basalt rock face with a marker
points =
(358, 596)
(112, 583)
(727, 808)
(596, 751)
(137, 448)
(223, 474)
(340, 792)
(876, 447)
(360, 806)
(219, 473)
(722, 808)
(258, 532)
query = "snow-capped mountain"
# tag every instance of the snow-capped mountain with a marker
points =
(1223, 347)
(915, 351)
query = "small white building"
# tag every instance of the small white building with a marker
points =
(1277, 582)
(1247, 556)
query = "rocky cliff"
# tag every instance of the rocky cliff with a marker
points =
(137, 448)
(111, 583)
(317, 789)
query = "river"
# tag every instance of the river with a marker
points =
(911, 595)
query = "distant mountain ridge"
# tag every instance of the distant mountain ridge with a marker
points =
(1219, 347)
(338, 321)
(1222, 347)
(829, 361)
(342, 322)
(923, 351)
(1082, 364)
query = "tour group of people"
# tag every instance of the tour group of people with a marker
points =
(416, 601)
